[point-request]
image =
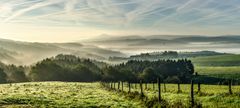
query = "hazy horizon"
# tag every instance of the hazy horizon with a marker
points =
(100, 29)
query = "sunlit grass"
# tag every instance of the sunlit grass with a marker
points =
(220, 72)
(221, 60)
(210, 95)
(61, 94)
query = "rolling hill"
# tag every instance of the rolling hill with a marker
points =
(24, 53)
(220, 60)
(139, 44)
(220, 66)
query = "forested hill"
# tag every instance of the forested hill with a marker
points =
(72, 68)
(137, 44)
(168, 55)
(174, 71)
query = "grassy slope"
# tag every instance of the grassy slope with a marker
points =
(212, 96)
(224, 66)
(222, 60)
(220, 72)
(60, 94)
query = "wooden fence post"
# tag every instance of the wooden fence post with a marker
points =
(199, 87)
(141, 88)
(165, 88)
(118, 85)
(192, 93)
(179, 89)
(129, 87)
(122, 85)
(230, 86)
(159, 90)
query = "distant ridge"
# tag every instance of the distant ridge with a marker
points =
(136, 44)
(19, 52)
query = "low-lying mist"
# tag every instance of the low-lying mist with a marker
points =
(105, 46)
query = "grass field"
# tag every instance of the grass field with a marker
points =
(232, 72)
(93, 95)
(60, 94)
(221, 60)
(211, 96)
(222, 66)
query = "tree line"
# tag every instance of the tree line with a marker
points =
(72, 68)
(13, 73)
(172, 71)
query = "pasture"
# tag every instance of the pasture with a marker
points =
(89, 95)
(232, 72)
(220, 60)
(210, 96)
(61, 94)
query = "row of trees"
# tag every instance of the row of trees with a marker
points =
(3, 76)
(65, 68)
(12, 73)
(169, 70)
(72, 68)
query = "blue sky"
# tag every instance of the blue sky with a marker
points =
(69, 20)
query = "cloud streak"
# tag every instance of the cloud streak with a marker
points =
(35, 6)
(158, 16)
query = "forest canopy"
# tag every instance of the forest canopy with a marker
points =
(72, 68)
(149, 71)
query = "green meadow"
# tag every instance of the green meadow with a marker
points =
(232, 72)
(210, 96)
(61, 94)
(220, 60)
(93, 95)
(223, 66)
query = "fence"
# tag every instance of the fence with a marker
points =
(129, 86)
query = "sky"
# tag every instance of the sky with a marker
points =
(73, 20)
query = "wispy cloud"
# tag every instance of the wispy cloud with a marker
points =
(35, 6)
(26, 2)
(185, 5)
(224, 14)
(155, 15)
